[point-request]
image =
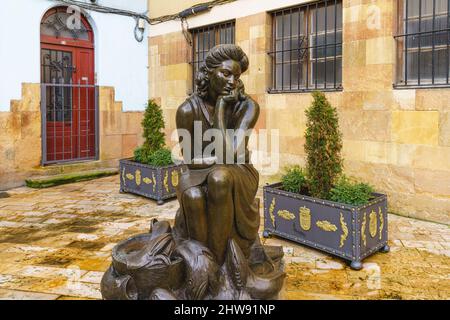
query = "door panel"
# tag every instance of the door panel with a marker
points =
(85, 76)
(70, 103)
(57, 68)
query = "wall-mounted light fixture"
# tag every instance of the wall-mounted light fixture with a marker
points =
(139, 30)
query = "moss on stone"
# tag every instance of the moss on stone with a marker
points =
(53, 181)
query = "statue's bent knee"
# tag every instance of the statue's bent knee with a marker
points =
(193, 195)
(220, 182)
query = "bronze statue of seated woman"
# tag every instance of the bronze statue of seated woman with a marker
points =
(217, 198)
(214, 250)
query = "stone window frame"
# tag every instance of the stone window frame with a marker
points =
(305, 49)
(206, 37)
(422, 44)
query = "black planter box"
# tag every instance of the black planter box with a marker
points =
(350, 232)
(158, 183)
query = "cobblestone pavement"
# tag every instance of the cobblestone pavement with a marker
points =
(56, 243)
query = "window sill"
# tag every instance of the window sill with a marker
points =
(275, 91)
(422, 86)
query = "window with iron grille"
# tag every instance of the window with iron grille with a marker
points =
(423, 43)
(207, 37)
(307, 47)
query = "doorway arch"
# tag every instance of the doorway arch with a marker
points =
(69, 99)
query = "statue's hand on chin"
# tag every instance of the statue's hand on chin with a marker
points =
(229, 99)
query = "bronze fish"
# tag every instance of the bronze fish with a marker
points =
(118, 287)
(243, 277)
(201, 268)
(161, 245)
(162, 294)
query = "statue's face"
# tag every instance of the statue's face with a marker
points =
(224, 79)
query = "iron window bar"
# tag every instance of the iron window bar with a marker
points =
(316, 43)
(421, 75)
(219, 33)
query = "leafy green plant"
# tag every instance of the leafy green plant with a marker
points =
(351, 192)
(294, 180)
(141, 155)
(161, 157)
(153, 125)
(152, 151)
(323, 146)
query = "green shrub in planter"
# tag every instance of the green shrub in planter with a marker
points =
(152, 173)
(320, 207)
(323, 146)
(158, 158)
(351, 192)
(294, 180)
(153, 128)
(161, 158)
(152, 152)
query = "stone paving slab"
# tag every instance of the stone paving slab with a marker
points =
(56, 244)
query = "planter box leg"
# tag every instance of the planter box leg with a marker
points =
(160, 202)
(356, 265)
(385, 249)
(266, 234)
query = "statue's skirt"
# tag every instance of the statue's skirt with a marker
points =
(245, 185)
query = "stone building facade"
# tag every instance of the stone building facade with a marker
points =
(395, 137)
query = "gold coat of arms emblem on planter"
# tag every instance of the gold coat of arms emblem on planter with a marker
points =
(305, 218)
(138, 177)
(326, 226)
(373, 224)
(271, 209)
(166, 181)
(363, 229)
(344, 234)
(174, 178)
(123, 176)
(154, 182)
(286, 215)
(381, 222)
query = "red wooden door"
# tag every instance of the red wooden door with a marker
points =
(84, 106)
(67, 70)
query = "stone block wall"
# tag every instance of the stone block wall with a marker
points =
(396, 139)
(120, 132)
(21, 144)
(20, 137)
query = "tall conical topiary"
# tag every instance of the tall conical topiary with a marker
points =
(153, 132)
(323, 146)
(153, 125)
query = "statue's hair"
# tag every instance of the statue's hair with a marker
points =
(214, 59)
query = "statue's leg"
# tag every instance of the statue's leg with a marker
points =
(194, 206)
(220, 212)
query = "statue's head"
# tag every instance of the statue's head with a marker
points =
(221, 71)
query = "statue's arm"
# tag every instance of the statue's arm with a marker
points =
(246, 121)
(185, 122)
